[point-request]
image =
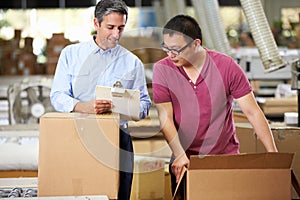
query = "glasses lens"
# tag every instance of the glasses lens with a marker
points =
(175, 52)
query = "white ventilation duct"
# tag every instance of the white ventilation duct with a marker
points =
(201, 16)
(181, 7)
(159, 13)
(215, 25)
(262, 35)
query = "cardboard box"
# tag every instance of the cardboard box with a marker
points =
(287, 140)
(265, 176)
(168, 187)
(278, 106)
(157, 147)
(148, 179)
(247, 139)
(78, 155)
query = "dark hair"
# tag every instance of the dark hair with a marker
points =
(184, 24)
(105, 7)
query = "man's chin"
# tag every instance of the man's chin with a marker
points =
(110, 45)
(177, 63)
(113, 44)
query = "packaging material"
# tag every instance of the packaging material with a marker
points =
(247, 139)
(53, 49)
(239, 117)
(78, 155)
(157, 147)
(148, 179)
(287, 140)
(168, 187)
(291, 118)
(264, 176)
(276, 106)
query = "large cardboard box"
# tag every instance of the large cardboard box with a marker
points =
(78, 155)
(157, 147)
(148, 179)
(265, 176)
(287, 140)
(247, 139)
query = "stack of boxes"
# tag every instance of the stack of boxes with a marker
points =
(16, 60)
(10, 51)
(54, 47)
(27, 63)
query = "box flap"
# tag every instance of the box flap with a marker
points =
(243, 161)
(295, 183)
(183, 172)
(80, 115)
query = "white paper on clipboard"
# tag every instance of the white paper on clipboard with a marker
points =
(126, 104)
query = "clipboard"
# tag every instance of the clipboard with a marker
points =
(126, 102)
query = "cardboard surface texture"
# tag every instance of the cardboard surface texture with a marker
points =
(263, 176)
(286, 139)
(78, 155)
(279, 105)
(148, 179)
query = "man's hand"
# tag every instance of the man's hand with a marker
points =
(94, 106)
(178, 164)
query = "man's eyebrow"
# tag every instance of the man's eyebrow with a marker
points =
(115, 25)
(171, 47)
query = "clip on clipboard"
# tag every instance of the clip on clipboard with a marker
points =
(117, 89)
(126, 102)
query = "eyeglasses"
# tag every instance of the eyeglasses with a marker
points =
(174, 51)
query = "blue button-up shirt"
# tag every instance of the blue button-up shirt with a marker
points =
(84, 65)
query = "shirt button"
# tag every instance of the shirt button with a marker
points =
(195, 87)
(190, 81)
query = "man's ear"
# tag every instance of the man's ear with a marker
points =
(96, 23)
(198, 42)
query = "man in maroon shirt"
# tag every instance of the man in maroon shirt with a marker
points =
(193, 89)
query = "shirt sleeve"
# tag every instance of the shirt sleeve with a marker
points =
(140, 84)
(61, 91)
(239, 84)
(161, 93)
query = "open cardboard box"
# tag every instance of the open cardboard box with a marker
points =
(78, 155)
(259, 176)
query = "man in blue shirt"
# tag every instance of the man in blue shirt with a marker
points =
(101, 61)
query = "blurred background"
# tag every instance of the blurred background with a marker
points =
(31, 25)
(33, 33)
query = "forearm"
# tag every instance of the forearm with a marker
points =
(263, 131)
(83, 107)
(170, 133)
(258, 121)
(165, 115)
(62, 102)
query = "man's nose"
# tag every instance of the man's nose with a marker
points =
(116, 33)
(171, 55)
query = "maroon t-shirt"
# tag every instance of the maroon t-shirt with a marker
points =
(203, 111)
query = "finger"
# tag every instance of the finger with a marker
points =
(104, 101)
(102, 106)
(177, 179)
